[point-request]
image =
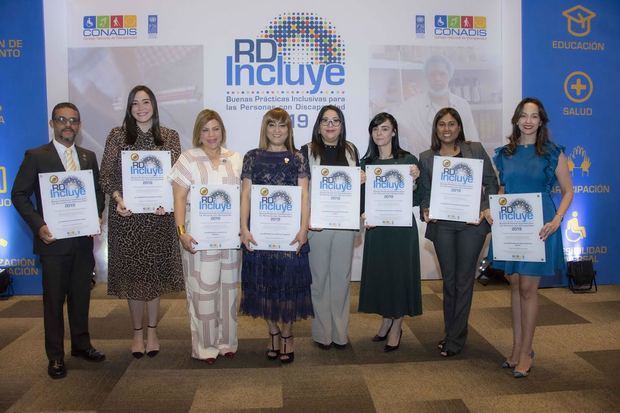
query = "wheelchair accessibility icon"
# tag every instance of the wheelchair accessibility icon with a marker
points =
(574, 232)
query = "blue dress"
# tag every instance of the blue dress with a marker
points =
(276, 284)
(523, 172)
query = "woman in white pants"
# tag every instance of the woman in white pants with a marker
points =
(211, 276)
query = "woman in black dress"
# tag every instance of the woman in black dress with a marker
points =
(390, 283)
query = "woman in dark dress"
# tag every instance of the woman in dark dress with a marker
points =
(457, 244)
(144, 260)
(276, 284)
(530, 162)
(390, 283)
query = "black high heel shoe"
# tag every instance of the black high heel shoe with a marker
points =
(377, 337)
(389, 348)
(138, 354)
(285, 357)
(155, 351)
(273, 353)
(444, 352)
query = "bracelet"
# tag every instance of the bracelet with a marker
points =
(181, 230)
(559, 215)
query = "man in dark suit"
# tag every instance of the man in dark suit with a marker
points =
(67, 263)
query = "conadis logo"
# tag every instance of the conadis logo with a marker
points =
(295, 49)
(464, 27)
(113, 26)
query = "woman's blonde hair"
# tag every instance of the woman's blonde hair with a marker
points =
(204, 117)
(277, 115)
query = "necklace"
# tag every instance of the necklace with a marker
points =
(453, 152)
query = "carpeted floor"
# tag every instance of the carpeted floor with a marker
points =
(577, 365)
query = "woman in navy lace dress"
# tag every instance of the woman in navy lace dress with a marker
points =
(276, 284)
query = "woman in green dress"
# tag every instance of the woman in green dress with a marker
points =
(391, 264)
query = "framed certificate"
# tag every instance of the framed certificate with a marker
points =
(275, 216)
(145, 187)
(335, 197)
(517, 220)
(69, 203)
(389, 196)
(214, 216)
(456, 189)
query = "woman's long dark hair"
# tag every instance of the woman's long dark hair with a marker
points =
(435, 142)
(130, 125)
(372, 153)
(542, 134)
(317, 148)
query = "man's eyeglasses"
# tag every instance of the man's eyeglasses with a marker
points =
(71, 121)
(333, 122)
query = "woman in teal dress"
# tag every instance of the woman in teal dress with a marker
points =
(532, 163)
(390, 283)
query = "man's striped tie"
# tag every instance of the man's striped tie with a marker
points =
(71, 166)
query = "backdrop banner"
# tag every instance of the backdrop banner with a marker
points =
(23, 124)
(244, 58)
(570, 61)
(245, 61)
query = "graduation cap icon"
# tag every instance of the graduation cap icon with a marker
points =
(578, 20)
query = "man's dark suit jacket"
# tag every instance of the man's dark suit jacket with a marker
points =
(473, 150)
(42, 160)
